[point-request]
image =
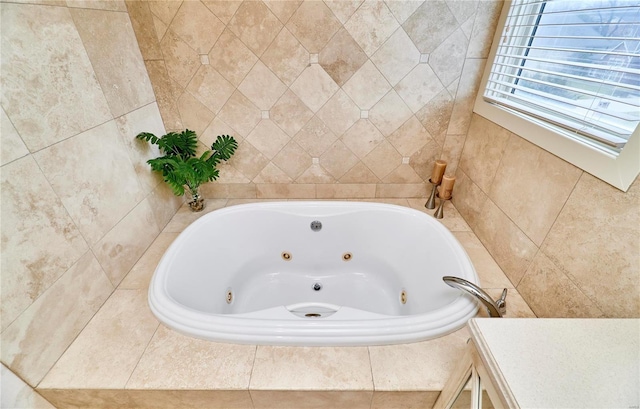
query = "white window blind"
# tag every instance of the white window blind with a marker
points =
(574, 64)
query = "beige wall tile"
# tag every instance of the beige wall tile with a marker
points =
(148, 399)
(452, 218)
(140, 274)
(262, 87)
(401, 191)
(517, 307)
(394, 366)
(422, 161)
(255, 25)
(313, 24)
(286, 191)
(210, 88)
(115, 56)
(163, 90)
(419, 86)
(516, 189)
(185, 216)
(339, 113)
(403, 174)
(360, 173)
(551, 294)
(142, 22)
(18, 395)
(121, 247)
(362, 138)
(39, 239)
(435, 15)
(165, 10)
(112, 5)
(94, 178)
(469, 198)
(389, 113)
(315, 137)
(448, 59)
(195, 115)
(33, 44)
(315, 174)
(402, 10)
(145, 119)
(484, 28)
(180, 59)
(405, 400)
(197, 26)
(231, 57)
(272, 174)
(311, 399)
(490, 274)
(106, 352)
(465, 96)
(164, 204)
(452, 151)
(397, 56)
(223, 9)
(346, 191)
(343, 9)
(293, 160)
(11, 145)
(268, 138)
(290, 113)
(595, 242)
(435, 116)
(366, 86)
(286, 57)
(248, 160)
(383, 160)
(216, 128)
(314, 87)
(190, 363)
(371, 25)
(483, 150)
(508, 245)
(338, 159)
(410, 137)
(240, 113)
(283, 9)
(311, 368)
(33, 343)
(342, 57)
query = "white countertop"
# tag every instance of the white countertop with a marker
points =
(563, 363)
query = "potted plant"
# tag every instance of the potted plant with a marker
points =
(181, 168)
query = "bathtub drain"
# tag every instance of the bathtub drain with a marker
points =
(313, 315)
(317, 287)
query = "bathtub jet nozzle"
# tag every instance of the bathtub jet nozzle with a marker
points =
(316, 225)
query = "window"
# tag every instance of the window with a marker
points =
(565, 74)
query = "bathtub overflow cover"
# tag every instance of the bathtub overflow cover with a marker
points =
(317, 287)
(316, 225)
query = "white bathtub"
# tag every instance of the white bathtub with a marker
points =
(259, 274)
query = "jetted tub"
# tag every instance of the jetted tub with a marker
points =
(313, 273)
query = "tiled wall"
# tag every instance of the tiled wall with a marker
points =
(79, 205)
(569, 242)
(327, 98)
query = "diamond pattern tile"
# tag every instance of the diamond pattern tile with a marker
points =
(371, 25)
(402, 10)
(283, 9)
(338, 159)
(343, 9)
(255, 25)
(367, 86)
(313, 24)
(240, 113)
(397, 57)
(436, 114)
(389, 113)
(181, 61)
(430, 25)
(197, 26)
(223, 9)
(272, 174)
(286, 57)
(210, 88)
(339, 113)
(448, 59)
(268, 138)
(262, 87)
(231, 58)
(315, 137)
(290, 113)
(362, 138)
(248, 160)
(360, 173)
(410, 137)
(293, 160)
(419, 87)
(314, 87)
(315, 174)
(342, 57)
(383, 159)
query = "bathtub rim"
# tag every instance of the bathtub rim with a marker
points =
(244, 329)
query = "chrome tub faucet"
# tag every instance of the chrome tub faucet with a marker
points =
(494, 308)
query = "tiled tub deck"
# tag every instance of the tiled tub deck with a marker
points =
(125, 359)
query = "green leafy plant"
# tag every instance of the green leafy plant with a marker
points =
(181, 168)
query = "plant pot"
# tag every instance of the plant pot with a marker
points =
(196, 203)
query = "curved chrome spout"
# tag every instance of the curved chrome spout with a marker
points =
(494, 308)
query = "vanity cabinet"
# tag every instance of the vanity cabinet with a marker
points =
(547, 363)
